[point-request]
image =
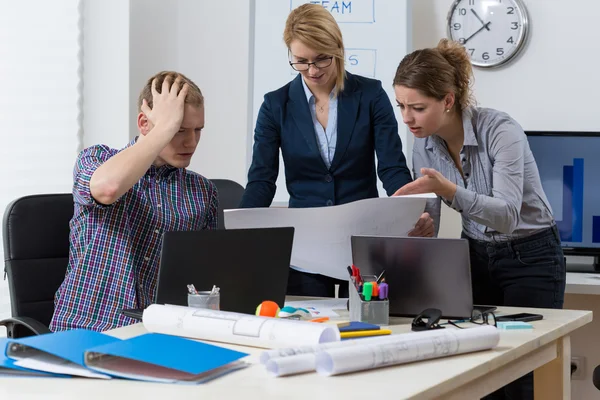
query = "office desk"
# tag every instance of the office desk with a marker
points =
(545, 349)
(582, 283)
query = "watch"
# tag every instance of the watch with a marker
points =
(492, 31)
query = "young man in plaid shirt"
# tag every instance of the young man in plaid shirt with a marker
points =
(124, 201)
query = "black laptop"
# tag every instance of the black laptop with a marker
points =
(421, 272)
(248, 265)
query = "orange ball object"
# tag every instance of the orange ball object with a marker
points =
(267, 308)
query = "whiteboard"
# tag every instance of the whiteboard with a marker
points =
(377, 34)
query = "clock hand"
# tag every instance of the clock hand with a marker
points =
(486, 26)
(480, 20)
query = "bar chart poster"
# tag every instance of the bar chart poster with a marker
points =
(570, 173)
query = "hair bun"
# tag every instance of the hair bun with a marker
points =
(457, 56)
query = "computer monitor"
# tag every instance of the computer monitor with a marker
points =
(569, 166)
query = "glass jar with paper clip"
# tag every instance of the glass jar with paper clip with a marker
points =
(365, 302)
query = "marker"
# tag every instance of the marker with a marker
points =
(375, 292)
(383, 290)
(367, 291)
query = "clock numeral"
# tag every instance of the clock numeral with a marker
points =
(511, 10)
(462, 11)
(514, 25)
(500, 51)
(462, 40)
(472, 51)
(510, 40)
(457, 26)
(485, 56)
(471, 2)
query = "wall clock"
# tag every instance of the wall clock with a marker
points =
(492, 31)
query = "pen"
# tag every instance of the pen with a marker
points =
(354, 334)
(356, 274)
(380, 277)
(321, 319)
(192, 289)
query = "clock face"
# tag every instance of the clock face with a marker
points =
(492, 31)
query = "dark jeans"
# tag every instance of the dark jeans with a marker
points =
(305, 284)
(527, 272)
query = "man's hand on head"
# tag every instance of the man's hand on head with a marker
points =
(167, 109)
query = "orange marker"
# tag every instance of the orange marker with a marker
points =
(375, 289)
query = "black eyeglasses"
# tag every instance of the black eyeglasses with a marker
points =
(319, 64)
(478, 317)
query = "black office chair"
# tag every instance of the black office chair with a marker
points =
(230, 196)
(36, 253)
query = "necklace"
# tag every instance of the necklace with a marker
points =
(322, 108)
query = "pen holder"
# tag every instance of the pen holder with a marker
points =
(204, 299)
(374, 311)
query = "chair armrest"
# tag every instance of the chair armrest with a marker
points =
(18, 327)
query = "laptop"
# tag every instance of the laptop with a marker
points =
(421, 272)
(248, 265)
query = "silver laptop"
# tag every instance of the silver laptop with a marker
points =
(421, 272)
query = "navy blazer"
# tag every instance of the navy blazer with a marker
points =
(366, 125)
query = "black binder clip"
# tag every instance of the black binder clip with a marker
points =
(427, 320)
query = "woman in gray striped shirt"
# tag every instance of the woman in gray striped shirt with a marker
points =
(478, 161)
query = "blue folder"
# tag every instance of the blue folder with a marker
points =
(163, 358)
(59, 350)
(8, 367)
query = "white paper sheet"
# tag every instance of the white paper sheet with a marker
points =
(49, 363)
(322, 234)
(235, 328)
(445, 342)
(320, 308)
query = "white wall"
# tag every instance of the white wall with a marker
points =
(554, 84)
(208, 42)
(106, 72)
(214, 51)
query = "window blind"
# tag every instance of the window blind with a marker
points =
(40, 100)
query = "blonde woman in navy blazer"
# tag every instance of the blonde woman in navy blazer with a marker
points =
(329, 124)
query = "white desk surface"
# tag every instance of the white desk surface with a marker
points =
(583, 283)
(428, 379)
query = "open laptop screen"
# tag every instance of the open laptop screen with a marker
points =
(421, 272)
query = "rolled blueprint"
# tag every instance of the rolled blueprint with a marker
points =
(284, 366)
(287, 352)
(405, 349)
(236, 328)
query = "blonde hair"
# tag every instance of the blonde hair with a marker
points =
(193, 97)
(438, 71)
(316, 28)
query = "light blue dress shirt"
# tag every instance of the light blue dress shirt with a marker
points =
(326, 138)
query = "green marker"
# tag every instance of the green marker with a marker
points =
(367, 291)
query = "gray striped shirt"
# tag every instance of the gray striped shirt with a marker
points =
(500, 197)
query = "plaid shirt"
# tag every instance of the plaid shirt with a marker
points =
(115, 250)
